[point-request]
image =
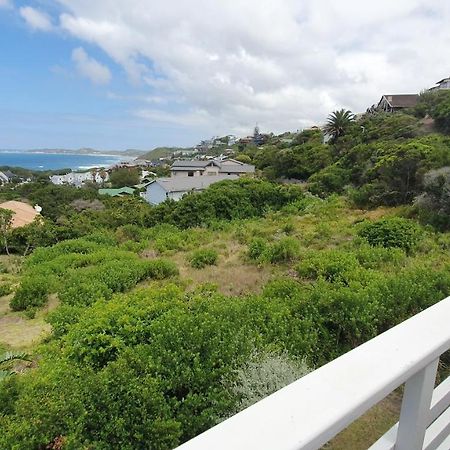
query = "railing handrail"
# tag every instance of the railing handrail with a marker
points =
(309, 412)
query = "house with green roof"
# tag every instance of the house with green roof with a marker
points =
(118, 192)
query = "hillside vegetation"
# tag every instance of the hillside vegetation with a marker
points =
(159, 322)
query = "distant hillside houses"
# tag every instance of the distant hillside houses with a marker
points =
(397, 102)
(175, 188)
(77, 179)
(215, 167)
(7, 177)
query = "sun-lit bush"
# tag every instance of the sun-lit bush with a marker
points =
(32, 291)
(284, 250)
(392, 232)
(203, 257)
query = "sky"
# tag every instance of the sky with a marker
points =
(119, 74)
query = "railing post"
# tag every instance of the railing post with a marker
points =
(415, 409)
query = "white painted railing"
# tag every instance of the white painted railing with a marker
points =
(309, 412)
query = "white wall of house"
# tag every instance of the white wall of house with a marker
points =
(176, 195)
(78, 178)
(154, 194)
(211, 170)
(185, 173)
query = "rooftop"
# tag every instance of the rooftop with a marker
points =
(24, 213)
(226, 165)
(185, 184)
(116, 192)
(402, 100)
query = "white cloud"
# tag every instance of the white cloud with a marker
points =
(281, 63)
(5, 4)
(36, 19)
(90, 68)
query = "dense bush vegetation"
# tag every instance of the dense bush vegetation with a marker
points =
(434, 202)
(203, 257)
(82, 271)
(392, 232)
(165, 359)
(135, 360)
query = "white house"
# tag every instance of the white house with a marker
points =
(213, 167)
(77, 179)
(175, 188)
(442, 84)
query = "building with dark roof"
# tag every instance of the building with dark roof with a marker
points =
(397, 102)
(175, 188)
(210, 168)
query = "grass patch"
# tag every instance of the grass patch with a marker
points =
(362, 433)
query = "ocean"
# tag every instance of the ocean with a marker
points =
(55, 161)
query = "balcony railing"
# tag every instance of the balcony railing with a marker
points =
(309, 412)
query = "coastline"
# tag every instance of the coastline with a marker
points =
(53, 161)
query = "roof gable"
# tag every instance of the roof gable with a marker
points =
(400, 100)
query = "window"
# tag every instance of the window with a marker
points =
(190, 174)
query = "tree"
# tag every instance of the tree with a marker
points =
(124, 177)
(6, 216)
(8, 357)
(244, 158)
(39, 233)
(338, 123)
(103, 175)
(434, 202)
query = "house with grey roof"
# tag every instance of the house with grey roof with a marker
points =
(7, 176)
(442, 84)
(397, 102)
(214, 167)
(175, 188)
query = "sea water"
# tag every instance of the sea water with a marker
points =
(54, 161)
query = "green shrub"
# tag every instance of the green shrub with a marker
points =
(285, 250)
(329, 180)
(46, 254)
(202, 258)
(5, 289)
(257, 248)
(33, 291)
(434, 203)
(284, 289)
(63, 317)
(392, 232)
(132, 246)
(3, 268)
(83, 291)
(129, 232)
(103, 237)
(159, 269)
(376, 257)
(288, 227)
(332, 265)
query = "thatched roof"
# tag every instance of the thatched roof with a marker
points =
(24, 213)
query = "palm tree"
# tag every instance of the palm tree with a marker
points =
(6, 358)
(338, 123)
